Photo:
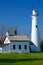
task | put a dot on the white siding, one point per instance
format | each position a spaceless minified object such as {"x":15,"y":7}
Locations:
{"x":0,"y":49}
{"x":17,"y":47}
{"x":34,"y":48}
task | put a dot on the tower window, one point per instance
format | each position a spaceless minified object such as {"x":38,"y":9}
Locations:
{"x":25,"y":46}
{"x":14,"y":47}
{"x":36,"y":26}
{"x":19,"y":46}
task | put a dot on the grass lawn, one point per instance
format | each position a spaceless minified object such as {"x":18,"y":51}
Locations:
{"x":21,"y":59}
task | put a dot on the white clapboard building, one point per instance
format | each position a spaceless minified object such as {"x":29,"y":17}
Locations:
{"x":21,"y":43}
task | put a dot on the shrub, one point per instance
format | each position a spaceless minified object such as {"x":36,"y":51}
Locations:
{"x":41,"y":43}
{"x":1,"y":42}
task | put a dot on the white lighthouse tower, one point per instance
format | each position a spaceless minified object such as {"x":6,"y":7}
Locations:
{"x":34,"y":32}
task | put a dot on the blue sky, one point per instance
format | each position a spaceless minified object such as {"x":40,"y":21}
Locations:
{"x":18,"y":13}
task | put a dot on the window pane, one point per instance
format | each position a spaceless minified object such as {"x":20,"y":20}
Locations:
{"x":14,"y":46}
{"x":36,"y":26}
{"x":19,"y":46}
{"x":25,"y":46}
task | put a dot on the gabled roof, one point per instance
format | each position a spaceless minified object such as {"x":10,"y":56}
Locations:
{"x":6,"y":41}
{"x":18,"y":38}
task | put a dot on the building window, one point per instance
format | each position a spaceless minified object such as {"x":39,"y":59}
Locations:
{"x":19,"y":46}
{"x":25,"y":46}
{"x":14,"y":46}
{"x":36,"y":26}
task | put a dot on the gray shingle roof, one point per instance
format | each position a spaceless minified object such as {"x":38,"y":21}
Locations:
{"x":18,"y":38}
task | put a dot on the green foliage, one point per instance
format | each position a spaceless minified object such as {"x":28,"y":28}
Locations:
{"x":1,"y":42}
{"x":41,"y":45}
{"x":15,"y":32}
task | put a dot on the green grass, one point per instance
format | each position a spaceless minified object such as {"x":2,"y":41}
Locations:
{"x":21,"y":59}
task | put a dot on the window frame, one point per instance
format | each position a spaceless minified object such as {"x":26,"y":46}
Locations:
{"x":20,"y":47}
{"x":25,"y":47}
{"x":14,"y":46}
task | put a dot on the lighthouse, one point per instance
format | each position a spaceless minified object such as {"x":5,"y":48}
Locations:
{"x":34,"y":32}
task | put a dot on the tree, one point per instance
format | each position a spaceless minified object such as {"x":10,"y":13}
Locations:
{"x":1,"y":42}
{"x":15,"y":32}
{"x":3,"y":31}
{"x":11,"y":30}
{"x":41,"y":44}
